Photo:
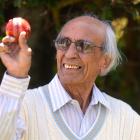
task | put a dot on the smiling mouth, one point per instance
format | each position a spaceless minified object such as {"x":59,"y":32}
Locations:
{"x":71,"y":66}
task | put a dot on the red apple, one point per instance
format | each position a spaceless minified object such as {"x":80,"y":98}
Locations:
{"x":16,"y":25}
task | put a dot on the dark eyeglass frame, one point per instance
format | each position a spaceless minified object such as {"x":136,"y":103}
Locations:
{"x":82,"y":46}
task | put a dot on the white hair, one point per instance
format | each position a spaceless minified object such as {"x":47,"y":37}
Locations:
{"x":109,"y":45}
{"x":111,"y":50}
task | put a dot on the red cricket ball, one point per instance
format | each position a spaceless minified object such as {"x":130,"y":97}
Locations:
{"x":16,"y":25}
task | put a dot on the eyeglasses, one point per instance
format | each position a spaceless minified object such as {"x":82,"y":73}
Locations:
{"x":83,"y":46}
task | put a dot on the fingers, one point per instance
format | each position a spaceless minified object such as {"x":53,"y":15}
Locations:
{"x":8,"y":39}
{"x":23,"y":44}
{"x":3,"y":48}
{"x":9,"y":44}
{"x":23,"y":40}
{"x":6,"y":42}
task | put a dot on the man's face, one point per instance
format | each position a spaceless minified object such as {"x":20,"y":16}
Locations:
{"x":76,"y":67}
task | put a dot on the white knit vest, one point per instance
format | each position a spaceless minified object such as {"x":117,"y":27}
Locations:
{"x":120,"y":123}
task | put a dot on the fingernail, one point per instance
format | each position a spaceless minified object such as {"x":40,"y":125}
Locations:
{"x":23,"y":33}
{"x":29,"y":49}
{"x":1,"y":44}
{"x":11,"y":38}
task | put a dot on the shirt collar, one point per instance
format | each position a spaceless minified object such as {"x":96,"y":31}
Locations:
{"x":98,"y":97}
{"x":59,"y":96}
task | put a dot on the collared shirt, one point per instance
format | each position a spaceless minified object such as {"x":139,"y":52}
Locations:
{"x":70,"y":109}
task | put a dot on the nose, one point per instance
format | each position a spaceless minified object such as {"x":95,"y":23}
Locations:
{"x":71,"y":52}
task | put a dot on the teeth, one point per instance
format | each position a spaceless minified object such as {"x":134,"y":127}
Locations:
{"x":67,"y":66}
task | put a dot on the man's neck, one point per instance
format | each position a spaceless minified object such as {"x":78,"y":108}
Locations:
{"x":82,"y":93}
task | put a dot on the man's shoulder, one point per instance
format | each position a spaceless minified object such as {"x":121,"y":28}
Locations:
{"x":35,"y":93}
{"x":118,"y":105}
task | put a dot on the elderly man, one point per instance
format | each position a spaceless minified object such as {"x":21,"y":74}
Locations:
{"x":70,"y":107}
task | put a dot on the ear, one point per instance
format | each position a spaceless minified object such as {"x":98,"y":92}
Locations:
{"x":104,"y":63}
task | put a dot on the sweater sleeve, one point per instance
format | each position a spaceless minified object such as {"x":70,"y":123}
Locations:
{"x":137,"y":132}
{"x":11,"y":94}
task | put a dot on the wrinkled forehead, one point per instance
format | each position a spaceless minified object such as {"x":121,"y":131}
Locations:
{"x":84,"y":26}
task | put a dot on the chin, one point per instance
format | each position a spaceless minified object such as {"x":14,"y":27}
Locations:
{"x":70,"y":79}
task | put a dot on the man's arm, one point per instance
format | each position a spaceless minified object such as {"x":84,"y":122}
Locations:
{"x":11,"y":94}
{"x":17,"y":61}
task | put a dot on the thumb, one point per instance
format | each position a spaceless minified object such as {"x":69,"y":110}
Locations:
{"x":23,"y":40}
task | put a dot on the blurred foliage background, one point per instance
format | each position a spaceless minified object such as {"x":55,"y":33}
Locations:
{"x":47,"y":17}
